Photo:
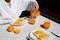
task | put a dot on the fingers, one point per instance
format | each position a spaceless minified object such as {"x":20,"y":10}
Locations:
{"x":35,"y":6}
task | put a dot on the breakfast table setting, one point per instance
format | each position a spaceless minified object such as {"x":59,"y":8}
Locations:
{"x":13,"y":31}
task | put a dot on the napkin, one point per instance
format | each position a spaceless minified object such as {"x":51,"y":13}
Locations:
{"x":5,"y":21}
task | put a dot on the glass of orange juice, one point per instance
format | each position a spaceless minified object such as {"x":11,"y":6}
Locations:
{"x":46,"y":24}
{"x":34,"y":14}
{"x":32,"y":21}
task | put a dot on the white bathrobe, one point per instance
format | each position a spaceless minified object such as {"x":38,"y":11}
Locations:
{"x":17,"y":6}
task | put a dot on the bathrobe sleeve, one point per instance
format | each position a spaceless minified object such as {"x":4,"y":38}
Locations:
{"x":4,"y":17}
{"x":3,"y":13}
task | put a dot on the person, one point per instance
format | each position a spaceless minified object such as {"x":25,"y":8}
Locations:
{"x":11,"y":9}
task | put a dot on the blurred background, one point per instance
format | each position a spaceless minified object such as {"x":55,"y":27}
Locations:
{"x":50,"y":9}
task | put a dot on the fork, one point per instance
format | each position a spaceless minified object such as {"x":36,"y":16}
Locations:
{"x":29,"y":38}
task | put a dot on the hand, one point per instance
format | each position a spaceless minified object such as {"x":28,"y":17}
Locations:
{"x":35,"y":6}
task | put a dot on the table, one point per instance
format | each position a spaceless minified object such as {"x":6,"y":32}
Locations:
{"x":25,"y":29}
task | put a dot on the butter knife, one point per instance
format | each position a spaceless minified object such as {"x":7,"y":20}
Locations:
{"x":55,"y":35}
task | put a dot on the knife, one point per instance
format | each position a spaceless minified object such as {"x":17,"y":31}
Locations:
{"x":55,"y":35}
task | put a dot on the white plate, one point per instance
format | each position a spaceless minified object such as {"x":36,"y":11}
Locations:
{"x":18,"y":25}
{"x":45,"y":31}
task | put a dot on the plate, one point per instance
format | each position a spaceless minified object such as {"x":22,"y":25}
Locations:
{"x":45,"y":31}
{"x":12,"y":23}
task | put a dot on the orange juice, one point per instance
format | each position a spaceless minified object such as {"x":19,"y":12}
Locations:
{"x":32,"y":21}
{"x":17,"y":31}
{"x":46,"y":25}
{"x":10,"y":28}
{"x":35,"y":13}
{"x":32,"y":13}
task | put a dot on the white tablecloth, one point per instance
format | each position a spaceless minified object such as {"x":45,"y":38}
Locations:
{"x":25,"y":29}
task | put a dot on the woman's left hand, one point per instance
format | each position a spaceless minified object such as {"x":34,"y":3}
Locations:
{"x":35,"y":6}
